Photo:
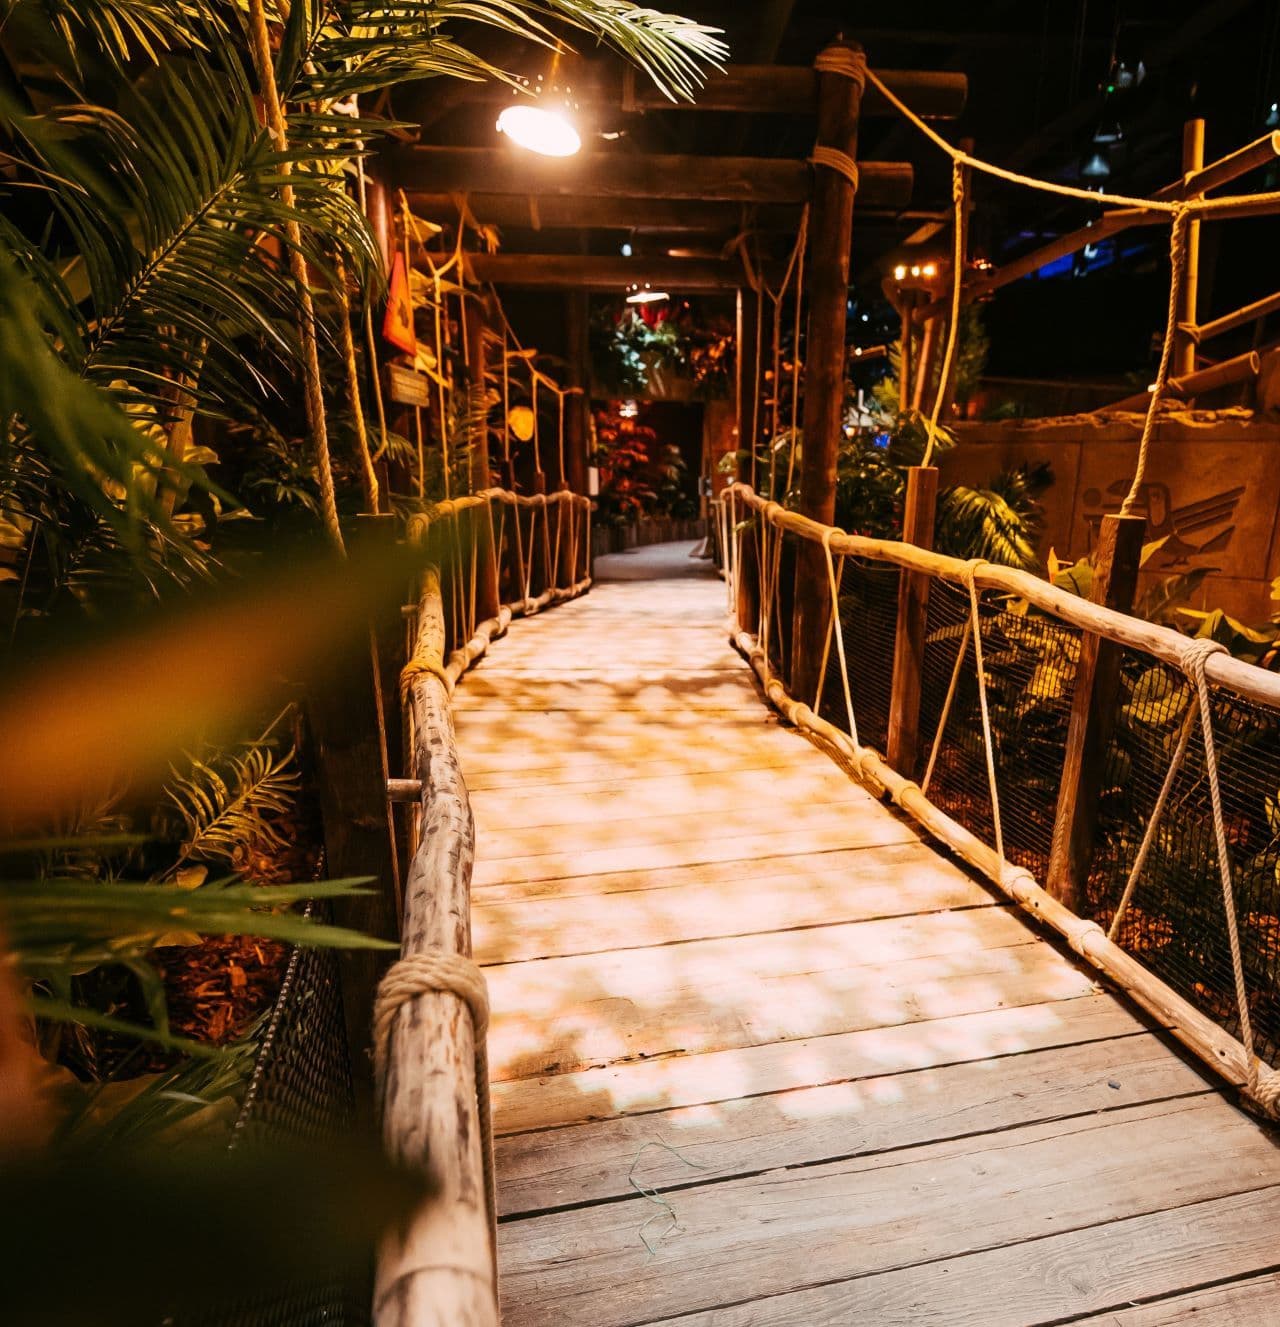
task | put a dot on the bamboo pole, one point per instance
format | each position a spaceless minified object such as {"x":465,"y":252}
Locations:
{"x":827,"y":281}
{"x":439,"y":1267}
{"x":1184,"y":345}
{"x":1237,"y":318}
{"x":1240,"y":368}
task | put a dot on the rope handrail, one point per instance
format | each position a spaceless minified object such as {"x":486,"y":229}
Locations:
{"x":1202,"y":662}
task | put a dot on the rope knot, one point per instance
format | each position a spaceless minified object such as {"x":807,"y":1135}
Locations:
{"x":422,"y":666}
{"x":834,"y":159}
{"x":845,"y":61}
{"x":969,"y":573}
{"x":1264,"y":1089}
{"x":1196,"y":655}
{"x":1079,"y":941}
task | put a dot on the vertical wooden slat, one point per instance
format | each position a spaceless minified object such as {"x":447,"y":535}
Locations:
{"x":1184,"y":346}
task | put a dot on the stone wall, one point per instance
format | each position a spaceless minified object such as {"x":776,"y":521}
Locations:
{"x":1213,"y":487}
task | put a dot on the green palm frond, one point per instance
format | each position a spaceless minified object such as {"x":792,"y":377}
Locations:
{"x":981,"y":523}
{"x":238,"y":806}
{"x":377,"y":43}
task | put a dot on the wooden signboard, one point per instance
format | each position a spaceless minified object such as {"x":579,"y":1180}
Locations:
{"x":408,"y":386}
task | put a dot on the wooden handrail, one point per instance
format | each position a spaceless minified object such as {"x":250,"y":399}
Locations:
{"x":440,"y":1267}
{"x":1164,"y":643}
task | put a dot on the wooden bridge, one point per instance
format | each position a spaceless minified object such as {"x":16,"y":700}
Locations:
{"x":760,"y":1054}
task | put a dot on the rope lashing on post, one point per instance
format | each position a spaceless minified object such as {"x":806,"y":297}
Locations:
{"x":454,"y":974}
{"x":832,"y":158}
{"x":843,"y":60}
{"x":423,"y":665}
{"x":957,"y":282}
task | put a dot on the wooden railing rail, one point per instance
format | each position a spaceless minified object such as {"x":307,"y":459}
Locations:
{"x":748,"y":527}
{"x":432,"y":1013}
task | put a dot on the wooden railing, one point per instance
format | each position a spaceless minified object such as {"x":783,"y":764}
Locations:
{"x":1005,"y":647}
{"x":492,"y":557}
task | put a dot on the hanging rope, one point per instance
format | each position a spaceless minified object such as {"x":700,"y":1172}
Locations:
{"x":988,"y":740}
{"x":277,"y":126}
{"x":957,"y":281}
{"x":835,"y":620}
{"x":1178,"y":266}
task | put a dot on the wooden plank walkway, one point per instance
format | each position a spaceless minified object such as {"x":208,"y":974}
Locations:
{"x":890,"y":1100}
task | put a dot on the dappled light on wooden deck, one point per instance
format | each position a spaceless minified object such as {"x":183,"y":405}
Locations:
{"x":763,"y":1055}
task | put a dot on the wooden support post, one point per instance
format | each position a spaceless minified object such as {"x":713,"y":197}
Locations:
{"x":1184,"y":346}
{"x":577,"y":418}
{"x":913,"y":608}
{"x":478,"y":383}
{"x":1093,"y":709}
{"x":748,"y":403}
{"x":827,"y":281}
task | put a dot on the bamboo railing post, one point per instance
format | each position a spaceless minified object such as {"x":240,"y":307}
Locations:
{"x":438,"y":1267}
{"x":827,"y":281}
{"x":747,"y":398}
{"x":1093,"y":709}
{"x":578,"y":405}
{"x":913,"y":607}
{"x":1184,"y":345}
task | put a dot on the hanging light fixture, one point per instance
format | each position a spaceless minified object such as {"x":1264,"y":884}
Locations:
{"x":541,"y":119}
{"x":1096,"y":166}
{"x":638,"y":293}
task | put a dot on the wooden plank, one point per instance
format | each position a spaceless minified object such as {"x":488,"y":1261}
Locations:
{"x":791,"y":1229}
{"x":658,"y":795}
{"x":528,"y":855}
{"x":570,"y":768}
{"x":673,"y":906}
{"x":594,"y":1162}
{"x":605,"y":1017}
{"x":1239,"y":1304}
{"x":1055,"y":1278}
{"x":652,"y":693}
{"x":1014,"y":1019}
{"x":561,"y":271}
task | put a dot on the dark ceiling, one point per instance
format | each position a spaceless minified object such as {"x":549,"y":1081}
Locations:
{"x":1046,"y":79}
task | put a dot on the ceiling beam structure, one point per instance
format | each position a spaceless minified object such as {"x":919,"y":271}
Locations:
{"x":746,"y":89}
{"x":568,"y":271}
{"x":602,"y":174}
{"x":639,"y":215}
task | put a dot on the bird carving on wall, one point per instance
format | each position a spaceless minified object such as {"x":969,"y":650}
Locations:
{"x":1170,"y":523}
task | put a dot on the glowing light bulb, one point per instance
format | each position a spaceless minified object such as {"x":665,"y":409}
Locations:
{"x":915,"y":269}
{"x":541,"y":129}
{"x":930,"y":269}
{"x":638,"y":294}
{"x":899,"y":273}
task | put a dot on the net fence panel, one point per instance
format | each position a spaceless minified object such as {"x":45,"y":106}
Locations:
{"x":868,"y":625}
{"x":1176,"y":921}
{"x":1030,"y":665}
{"x":301,"y":1091}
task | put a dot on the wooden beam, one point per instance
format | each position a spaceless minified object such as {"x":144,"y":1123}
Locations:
{"x":751,"y":89}
{"x":1201,"y":179}
{"x":606,"y":174}
{"x":1240,"y":368}
{"x":1230,"y":321}
{"x":827,"y":284}
{"x":1094,"y":703}
{"x":913,"y":609}
{"x":571,"y":271}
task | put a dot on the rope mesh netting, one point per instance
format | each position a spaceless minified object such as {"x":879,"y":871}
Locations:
{"x":1030,"y":666}
{"x":868,"y":623}
{"x":1175,"y":923}
{"x":301,"y":1092}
